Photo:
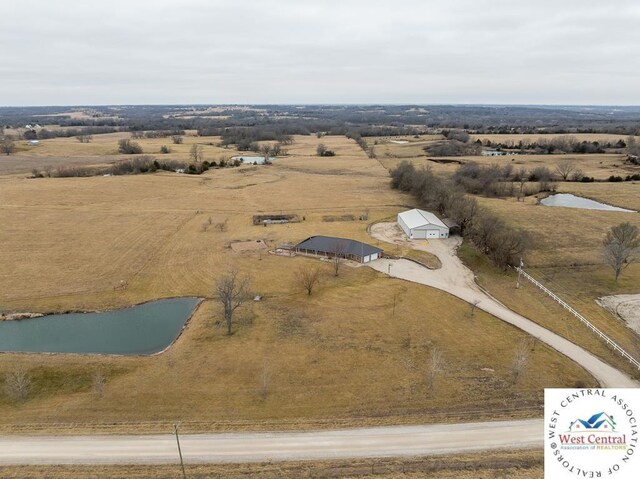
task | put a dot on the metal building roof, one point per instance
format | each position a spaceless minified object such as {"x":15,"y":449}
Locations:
{"x":418,"y":218}
{"x":331,"y":244}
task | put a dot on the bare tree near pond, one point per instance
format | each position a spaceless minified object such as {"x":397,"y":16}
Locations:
{"x":232,"y":291}
{"x":17,"y":384}
{"x":621,"y":247}
{"x":308,"y":277}
{"x":196,"y":153}
{"x":565,"y":168}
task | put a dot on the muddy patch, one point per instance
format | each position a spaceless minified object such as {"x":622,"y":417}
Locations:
{"x":625,"y":306}
{"x":243,"y":246}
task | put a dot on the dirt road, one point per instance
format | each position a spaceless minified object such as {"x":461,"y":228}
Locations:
{"x":458,"y":280}
{"x":253,"y":447}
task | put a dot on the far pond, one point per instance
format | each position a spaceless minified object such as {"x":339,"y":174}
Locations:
{"x":571,"y":201}
{"x":250,"y":160}
{"x":144,"y":329}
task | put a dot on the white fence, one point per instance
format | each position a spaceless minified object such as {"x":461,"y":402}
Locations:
{"x":584,"y":320}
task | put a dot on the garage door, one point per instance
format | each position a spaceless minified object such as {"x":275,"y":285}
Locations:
{"x":419,"y":234}
{"x":374,"y":256}
{"x":433,"y":234}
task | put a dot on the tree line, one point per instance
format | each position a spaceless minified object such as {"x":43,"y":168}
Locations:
{"x":135,"y":166}
{"x":555,"y":145}
{"x":503,"y":244}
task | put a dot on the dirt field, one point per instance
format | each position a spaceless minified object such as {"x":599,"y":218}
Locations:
{"x":626,"y":307}
{"x":69,"y":242}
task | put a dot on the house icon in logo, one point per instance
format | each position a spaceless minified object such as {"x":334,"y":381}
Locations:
{"x":600,"y":422}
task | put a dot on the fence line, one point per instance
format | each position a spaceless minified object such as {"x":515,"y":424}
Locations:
{"x":584,"y":320}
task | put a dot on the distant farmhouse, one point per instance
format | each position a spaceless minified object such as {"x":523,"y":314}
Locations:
{"x":420,"y":224}
{"x":329,"y":247}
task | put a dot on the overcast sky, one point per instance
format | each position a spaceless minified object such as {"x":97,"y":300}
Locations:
{"x":70,"y":52}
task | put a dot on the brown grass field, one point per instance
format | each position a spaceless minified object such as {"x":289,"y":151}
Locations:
{"x":102,"y":150}
{"x":598,"y":166}
{"x":342,"y":356}
{"x":516,"y":137}
{"x":522,"y":464}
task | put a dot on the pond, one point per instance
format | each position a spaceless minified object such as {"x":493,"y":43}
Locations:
{"x":250,"y":160}
{"x":571,"y":201}
{"x":144,"y":329}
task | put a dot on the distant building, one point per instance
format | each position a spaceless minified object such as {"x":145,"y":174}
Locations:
{"x":420,"y":224}
{"x":329,"y":247}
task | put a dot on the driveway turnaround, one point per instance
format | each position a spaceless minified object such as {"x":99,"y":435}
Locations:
{"x":455,"y":278}
{"x":397,"y":441}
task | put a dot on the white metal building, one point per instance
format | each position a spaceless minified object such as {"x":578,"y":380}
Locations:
{"x":420,"y":224}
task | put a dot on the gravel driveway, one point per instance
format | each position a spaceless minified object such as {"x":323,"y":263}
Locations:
{"x":455,"y":278}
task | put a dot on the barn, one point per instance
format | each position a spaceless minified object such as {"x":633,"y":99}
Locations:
{"x":420,"y":224}
{"x":330,"y":246}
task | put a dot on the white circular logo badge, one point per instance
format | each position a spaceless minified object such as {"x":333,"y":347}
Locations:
{"x":591,"y":433}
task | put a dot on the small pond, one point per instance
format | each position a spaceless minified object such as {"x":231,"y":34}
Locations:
{"x":571,"y":201}
{"x":250,"y":160}
{"x":144,"y":329}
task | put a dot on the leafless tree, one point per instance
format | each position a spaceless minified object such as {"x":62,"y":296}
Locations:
{"x":232,"y":290}
{"x":177,"y":139}
{"x":205,"y":227}
{"x":7,"y":146}
{"x":264,"y":381}
{"x":522,"y":179}
{"x":308,"y":277}
{"x":577,"y":175}
{"x":565,"y":168}
{"x":17,"y":384}
{"x":633,"y":148}
{"x":222,"y":226}
{"x":85,"y":138}
{"x":196,"y":153}
{"x":464,"y":209}
{"x":266,"y":150}
{"x":520,"y":360}
{"x":621,"y":247}
{"x":99,"y":381}
{"x":276,"y":149}
{"x":321,"y":150}
{"x":338,"y":251}
{"x":436,"y":366}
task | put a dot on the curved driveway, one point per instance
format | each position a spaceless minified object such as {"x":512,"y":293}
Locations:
{"x":455,"y":278}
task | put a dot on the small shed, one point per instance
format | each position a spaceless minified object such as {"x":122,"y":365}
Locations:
{"x":330,"y":247}
{"x":420,"y":224}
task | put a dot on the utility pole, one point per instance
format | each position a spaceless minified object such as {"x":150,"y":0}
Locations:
{"x":519,"y":273}
{"x":175,"y":428}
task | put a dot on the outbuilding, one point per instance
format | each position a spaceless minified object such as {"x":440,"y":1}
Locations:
{"x":330,"y":246}
{"x":420,"y":224}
